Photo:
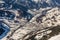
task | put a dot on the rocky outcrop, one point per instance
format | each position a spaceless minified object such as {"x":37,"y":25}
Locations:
{"x":43,"y":24}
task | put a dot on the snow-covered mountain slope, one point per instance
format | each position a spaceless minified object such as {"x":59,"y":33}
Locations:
{"x":32,"y":4}
{"x":28,"y":16}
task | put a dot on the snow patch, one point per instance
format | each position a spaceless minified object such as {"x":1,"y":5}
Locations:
{"x":55,"y":37}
